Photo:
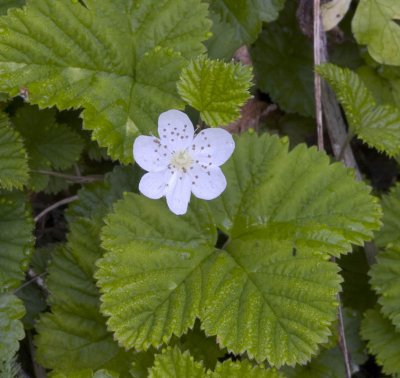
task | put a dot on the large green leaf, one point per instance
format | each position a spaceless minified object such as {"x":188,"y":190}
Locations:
{"x":283,"y":64}
{"x":74,"y":335}
{"x":374,"y":24}
{"x":11,"y":328}
{"x":216,"y":89}
{"x":69,"y":55}
{"x":377,"y":125}
{"x":240,"y":369}
{"x":390,"y":232}
{"x":49,"y":144}
{"x":16,"y":239}
{"x":271,"y":291}
{"x":172,"y":363}
{"x":385,"y":280}
{"x":13,"y":160}
{"x":383,"y":340}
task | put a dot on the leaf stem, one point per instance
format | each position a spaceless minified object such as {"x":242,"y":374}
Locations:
{"x":76,"y":179}
{"x":342,"y":340}
{"x":55,"y":205}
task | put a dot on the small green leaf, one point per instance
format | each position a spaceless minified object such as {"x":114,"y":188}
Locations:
{"x":385,"y":280}
{"x":216,"y":89}
{"x":241,"y":369}
{"x":112,"y":72}
{"x":383,"y":340}
{"x":172,"y":363}
{"x":16,"y":239}
{"x":390,"y":232}
{"x":13,"y":160}
{"x":87,"y":373}
{"x":11,"y":328}
{"x":374,"y":24}
{"x":283,"y":64}
{"x":376,"y":125}
{"x":49,"y":145}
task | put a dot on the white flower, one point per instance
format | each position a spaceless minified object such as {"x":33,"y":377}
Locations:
{"x":180,"y":163}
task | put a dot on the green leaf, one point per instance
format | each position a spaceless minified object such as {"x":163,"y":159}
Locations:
{"x":49,"y":145}
{"x":240,"y":369}
{"x":297,"y":196}
{"x":159,"y":263}
{"x":383,"y":340}
{"x":172,"y":363}
{"x":87,"y":373}
{"x":74,"y":335}
{"x":16,"y":239}
{"x":271,"y":292}
{"x":6,"y":4}
{"x":390,"y":232}
{"x":385,"y":280}
{"x":376,"y":125}
{"x":374,"y":24}
{"x":246,"y":16}
{"x":13,"y":160}
{"x":11,"y":328}
{"x":113,"y":73}
{"x":283,"y":64}
{"x":34,"y":303}
{"x":216,"y":89}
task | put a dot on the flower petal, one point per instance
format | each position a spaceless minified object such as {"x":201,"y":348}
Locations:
{"x":175,"y":130}
{"x":209,"y":183}
{"x":178,"y":193}
{"x":213,"y":146}
{"x":150,"y":153}
{"x":154,"y":184}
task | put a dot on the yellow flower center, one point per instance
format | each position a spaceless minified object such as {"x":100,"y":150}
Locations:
{"x":182,"y":160}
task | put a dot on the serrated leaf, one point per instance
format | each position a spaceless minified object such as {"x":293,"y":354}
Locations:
{"x":271,"y":292}
{"x":159,"y":263}
{"x":374,"y":24}
{"x":13,"y":160}
{"x":11,"y":328}
{"x":239,"y":369}
{"x":385,"y":280}
{"x":376,"y":125}
{"x":383,"y":340}
{"x":390,"y":232}
{"x":114,"y":73}
{"x":75,"y":318}
{"x":49,"y":144}
{"x":283,"y":64}
{"x":16,"y":239}
{"x":216,"y":89}
{"x":7,"y":4}
{"x":172,"y":363}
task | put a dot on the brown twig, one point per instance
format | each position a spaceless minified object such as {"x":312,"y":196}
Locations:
{"x":317,"y":78}
{"x":54,"y":206}
{"x":321,"y":55}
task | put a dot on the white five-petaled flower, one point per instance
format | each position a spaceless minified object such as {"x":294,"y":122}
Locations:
{"x":180,"y":163}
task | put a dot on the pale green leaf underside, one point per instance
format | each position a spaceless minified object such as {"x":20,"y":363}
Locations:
{"x":72,"y":56}
{"x":11,"y":328}
{"x":13,"y":159}
{"x":374,"y":24}
{"x":376,"y":125}
{"x":216,"y":89}
{"x":172,"y":363}
{"x":390,"y":232}
{"x":383,"y":341}
{"x":297,"y":196}
{"x":50,"y":146}
{"x":16,"y":239}
{"x":74,"y":335}
{"x":385,"y":280}
{"x":283,"y":64}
